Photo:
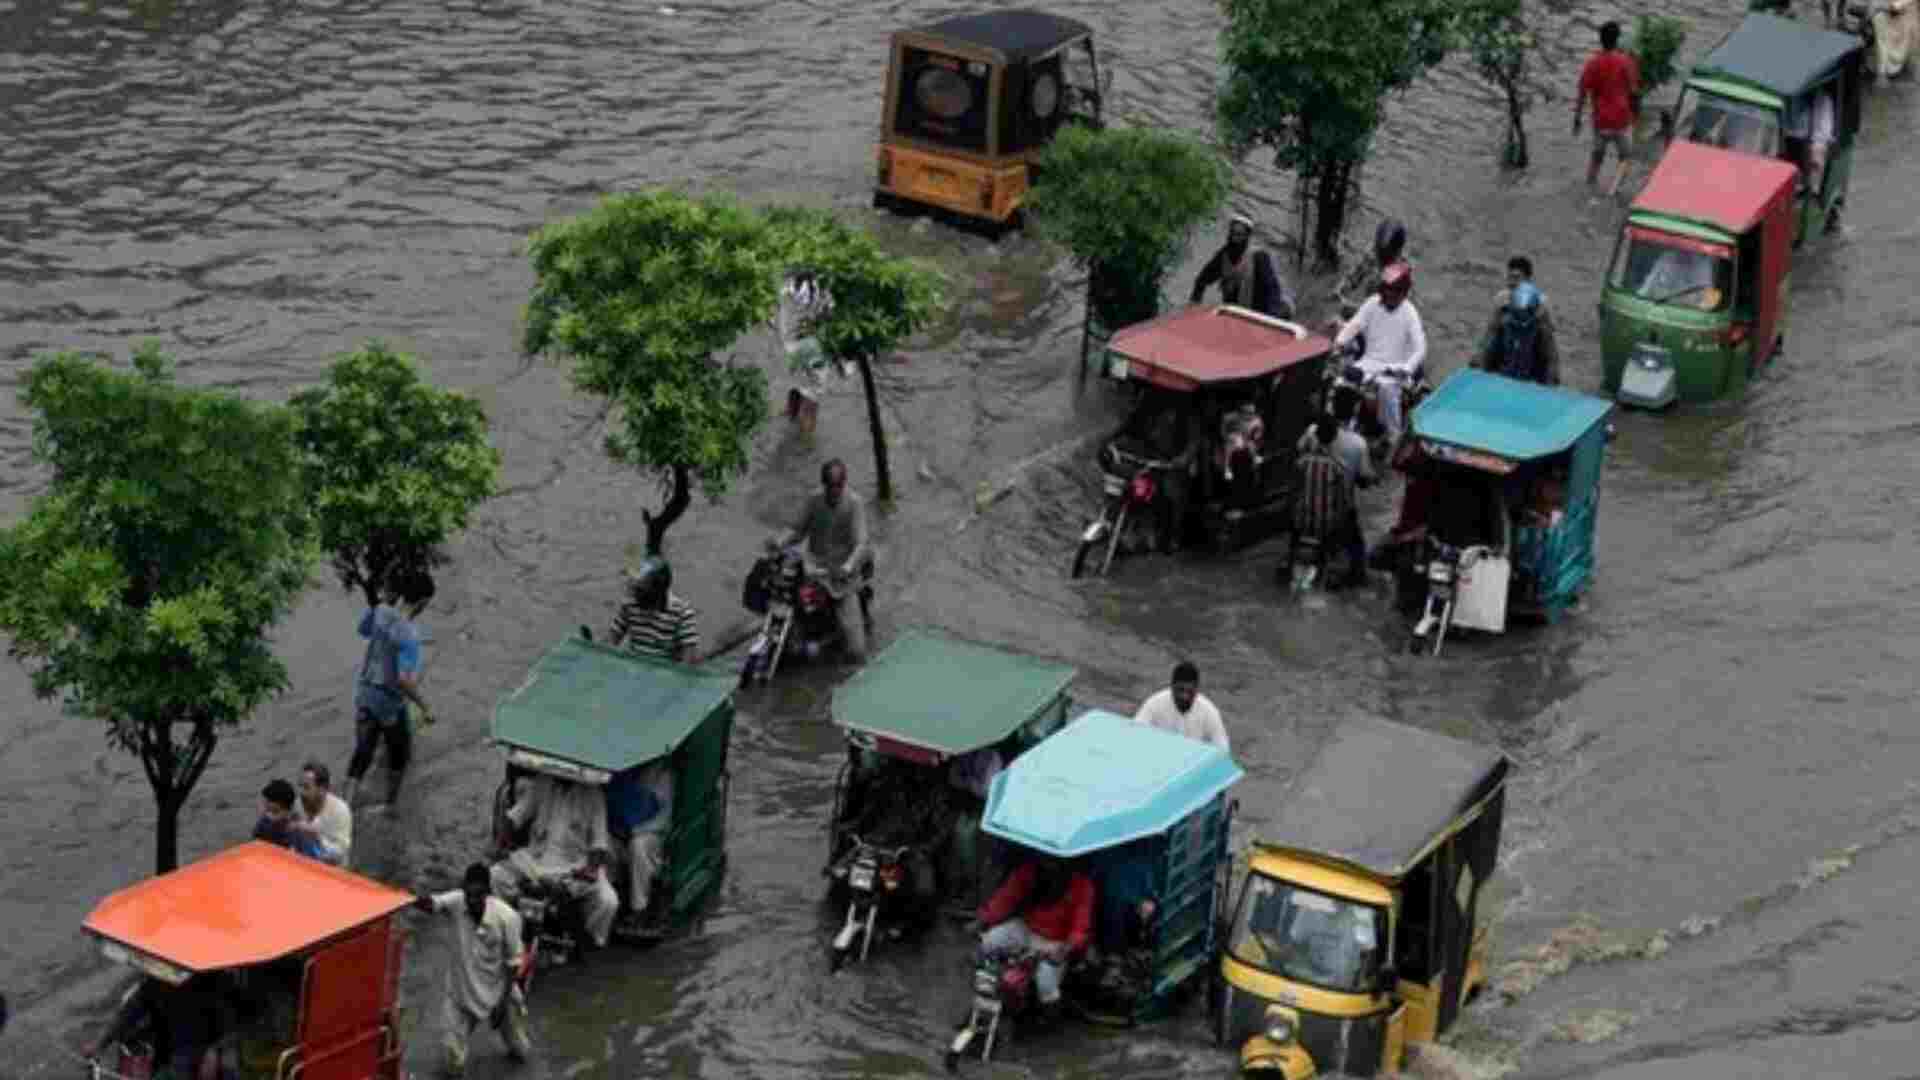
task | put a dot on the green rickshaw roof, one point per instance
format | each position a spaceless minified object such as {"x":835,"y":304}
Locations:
{"x":1783,"y":55}
{"x":1520,"y":421}
{"x":945,"y":694}
{"x":607,"y":708}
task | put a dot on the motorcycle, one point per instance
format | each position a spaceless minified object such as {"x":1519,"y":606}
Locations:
{"x":1003,"y":989}
{"x":874,"y":875}
{"x":792,"y":595}
{"x":1131,"y":489}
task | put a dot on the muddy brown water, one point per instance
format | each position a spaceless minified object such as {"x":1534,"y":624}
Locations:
{"x":1712,"y":831}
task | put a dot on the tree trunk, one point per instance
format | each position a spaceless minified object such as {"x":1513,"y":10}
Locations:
{"x":680,"y":494}
{"x":1516,"y":128}
{"x":1331,"y":197}
{"x":878,"y":431}
{"x":172,"y":770}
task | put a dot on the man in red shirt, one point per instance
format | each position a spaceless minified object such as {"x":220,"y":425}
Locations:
{"x":1046,"y":906}
{"x":1611,"y":79}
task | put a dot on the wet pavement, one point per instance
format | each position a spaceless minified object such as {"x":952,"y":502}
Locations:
{"x":1713,"y":819}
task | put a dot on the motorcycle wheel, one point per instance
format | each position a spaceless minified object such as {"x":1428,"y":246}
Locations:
{"x":953,"y":1062}
{"x":1415,"y":643}
{"x":1080,"y":558}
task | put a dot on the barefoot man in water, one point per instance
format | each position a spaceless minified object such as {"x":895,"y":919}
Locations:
{"x":1611,"y":78}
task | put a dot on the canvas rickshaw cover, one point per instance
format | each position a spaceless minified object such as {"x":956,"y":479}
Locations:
{"x":1511,"y":418}
{"x":947,"y":695}
{"x":246,"y":905}
{"x":1018,"y":34}
{"x":1380,"y":793}
{"x":1210,"y":343}
{"x":608,"y":708}
{"x":1785,"y":56}
{"x":1725,"y":189}
{"x":1101,"y":782}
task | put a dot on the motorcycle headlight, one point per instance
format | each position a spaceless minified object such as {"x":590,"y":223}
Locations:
{"x":1279,"y":1030}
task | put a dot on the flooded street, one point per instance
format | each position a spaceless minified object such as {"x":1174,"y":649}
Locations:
{"x":1713,"y":827}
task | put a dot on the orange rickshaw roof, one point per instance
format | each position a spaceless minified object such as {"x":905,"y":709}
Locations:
{"x":246,"y":905}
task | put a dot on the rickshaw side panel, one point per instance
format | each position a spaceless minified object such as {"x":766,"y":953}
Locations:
{"x":345,"y":987}
{"x":696,"y":847}
{"x":1560,"y":558}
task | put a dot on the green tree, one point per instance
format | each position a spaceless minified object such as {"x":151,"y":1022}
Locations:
{"x":141,"y":585}
{"x":642,"y":293}
{"x":878,"y":301}
{"x":393,"y":466}
{"x":1125,"y":201}
{"x":1309,"y":79}
{"x":1503,"y":45}
{"x":1656,"y":44}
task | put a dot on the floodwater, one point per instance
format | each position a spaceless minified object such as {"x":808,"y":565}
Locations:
{"x":1714,"y":821}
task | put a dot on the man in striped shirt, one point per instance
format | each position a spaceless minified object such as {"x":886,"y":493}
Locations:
{"x":655,"y":622}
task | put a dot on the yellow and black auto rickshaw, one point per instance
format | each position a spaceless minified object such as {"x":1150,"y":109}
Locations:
{"x":970,"y":103}
{"x":1362,"y":924}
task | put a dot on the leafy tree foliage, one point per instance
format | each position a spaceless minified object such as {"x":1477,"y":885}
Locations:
{"x":1125,"y":201}
{"x":1656,"y":44}
{"x":393,"y":466}
{"x":1309,"y":79}
{"x":141,"y":585}
{"x":642,"y":293}
{"x":878,"y":300}
{"x":1503,"y":46}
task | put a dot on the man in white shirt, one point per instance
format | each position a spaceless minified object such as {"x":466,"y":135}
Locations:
{"x":1182,"y":709}
{"x":323,"y":815}
{"x":483,"y":974}
{"x":1396,"y":340}
{"x":569,"y":848}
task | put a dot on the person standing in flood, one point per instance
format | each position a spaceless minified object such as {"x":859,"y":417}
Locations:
{"x":389,"y":680}
{"x":1610,"y":79}
{"x":1245,"y":274}
{"x":483,"y":972}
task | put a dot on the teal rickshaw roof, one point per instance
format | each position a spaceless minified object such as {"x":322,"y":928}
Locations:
{"x":608,"y":708}
{"x":1785,"y":56}
{"x":1102,"y":782}
{"x":945,"y":694}
{"x":1521,"y":421}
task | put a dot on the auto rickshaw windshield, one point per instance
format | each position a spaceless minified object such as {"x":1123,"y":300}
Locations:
{"x":1671,"y":270}
{"x":1310,"y":936}
{"x":1735,"y":125}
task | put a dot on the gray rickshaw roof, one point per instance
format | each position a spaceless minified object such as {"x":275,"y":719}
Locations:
{"x":1017,"y":35}
{"x":608,"y":708}
{"x":1380,"y":792}
{"x":1781,"y":55}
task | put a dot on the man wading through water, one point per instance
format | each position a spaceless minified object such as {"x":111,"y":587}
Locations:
{"x":389,"y":679}
{"x":1245,"y":274}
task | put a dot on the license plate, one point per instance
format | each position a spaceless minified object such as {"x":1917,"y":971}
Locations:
{"x":861,"y":878}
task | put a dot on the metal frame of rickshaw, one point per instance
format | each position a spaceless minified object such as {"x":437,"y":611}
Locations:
{"x":529,"y":728}
{"x":1704,"y":197}
{"x":229,"y":912}
{"x":1056,"y":801}
{"x":1728,"y":76}
{"x":1561,"y":552}
{"x":1285,"y":386}
{"x":1384,"y":806}
{"x":990,"y":183}
{"x":1028,"y":707}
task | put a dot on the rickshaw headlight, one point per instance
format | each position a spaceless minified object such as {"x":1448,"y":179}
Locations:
{"x":1279,"y":1029}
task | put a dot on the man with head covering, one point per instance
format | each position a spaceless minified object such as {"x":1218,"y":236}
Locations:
{"x":1245,"y":274}
{"x":485,"y":969}
{"x":655,"y":621}
{"x":1520,"y":341}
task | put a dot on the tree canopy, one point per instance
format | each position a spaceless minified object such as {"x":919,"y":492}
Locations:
{"x":1125,"y":202}
{"x":142,"y":583}
{"x":643,"y":293}
{"x":393,"y":466}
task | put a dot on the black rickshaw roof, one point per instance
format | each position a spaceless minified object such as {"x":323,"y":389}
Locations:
{"x":608,"y":708}
{"x":1782,"y":55}
{"x":1380,"y":793}
{"x":1017,"y":35}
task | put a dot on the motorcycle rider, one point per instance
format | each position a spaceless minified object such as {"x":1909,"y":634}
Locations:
{"x":1047,"y":906}
{"x":1329,"y":437}
{"x":1245,"y":274}
{"x":569,"y":850}
{"x":1520,"y":342}
{"x":834,"y":525}
{"x":1396,"y":342}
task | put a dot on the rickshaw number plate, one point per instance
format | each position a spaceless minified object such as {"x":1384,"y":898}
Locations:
{"x":1118,"y":366}
{"x":861,"y":878}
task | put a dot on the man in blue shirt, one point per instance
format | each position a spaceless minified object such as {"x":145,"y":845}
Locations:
{"x":389,"y":680}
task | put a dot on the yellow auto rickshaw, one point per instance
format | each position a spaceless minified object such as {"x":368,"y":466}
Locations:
{"x":972,"y":100}
{"x":1361,"y":926}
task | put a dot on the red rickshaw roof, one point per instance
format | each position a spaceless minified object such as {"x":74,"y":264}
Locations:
{"x":246,"y":905}
{"x":1209,"y":343}
{"x":1722,"y":188}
